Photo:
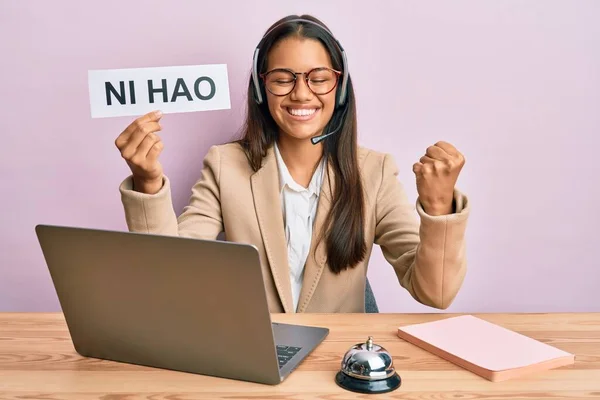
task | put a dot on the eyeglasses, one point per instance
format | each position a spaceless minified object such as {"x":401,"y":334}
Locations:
{"x":282,"y":81}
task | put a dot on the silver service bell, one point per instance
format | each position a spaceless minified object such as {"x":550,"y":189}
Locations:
{"x":368,"y":368}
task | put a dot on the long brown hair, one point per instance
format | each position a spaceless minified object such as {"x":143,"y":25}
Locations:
{"x":344,"y":225}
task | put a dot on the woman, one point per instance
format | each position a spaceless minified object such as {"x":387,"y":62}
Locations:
{"x":299,"y":188}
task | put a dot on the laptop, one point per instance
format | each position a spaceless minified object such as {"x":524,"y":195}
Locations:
{"x":182,"y":304}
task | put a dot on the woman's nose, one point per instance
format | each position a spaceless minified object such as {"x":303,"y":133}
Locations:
{"x":301,"y":91}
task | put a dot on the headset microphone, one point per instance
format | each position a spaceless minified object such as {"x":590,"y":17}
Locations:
{"x":318,"y":139}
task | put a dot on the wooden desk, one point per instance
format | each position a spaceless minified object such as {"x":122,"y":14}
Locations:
{"x":37,"y":360}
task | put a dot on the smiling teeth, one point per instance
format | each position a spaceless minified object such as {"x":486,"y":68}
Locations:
{"x":301,"y":112}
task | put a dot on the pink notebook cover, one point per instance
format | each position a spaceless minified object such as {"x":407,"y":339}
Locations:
{"x":483,"y":344}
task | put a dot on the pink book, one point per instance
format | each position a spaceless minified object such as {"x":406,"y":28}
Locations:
{"x":489,"y":350}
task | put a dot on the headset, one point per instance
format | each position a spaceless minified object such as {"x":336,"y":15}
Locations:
{"x":341,"y":94}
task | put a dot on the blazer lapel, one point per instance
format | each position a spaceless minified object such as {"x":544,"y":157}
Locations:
{"x":317,"y":256}
{"x":267,"y":202}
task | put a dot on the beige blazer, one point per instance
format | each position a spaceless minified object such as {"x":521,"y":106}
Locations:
{"x":428,"y":258}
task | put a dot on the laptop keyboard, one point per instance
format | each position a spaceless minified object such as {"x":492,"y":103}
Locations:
{"x":285,"y":353}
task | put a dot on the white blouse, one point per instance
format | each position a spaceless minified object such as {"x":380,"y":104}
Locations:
{"x":299,"y":207}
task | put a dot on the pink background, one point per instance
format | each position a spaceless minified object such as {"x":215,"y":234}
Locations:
{"x":514,"y":85}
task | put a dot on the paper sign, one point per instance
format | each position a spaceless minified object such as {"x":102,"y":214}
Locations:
{"x":137,"y":91}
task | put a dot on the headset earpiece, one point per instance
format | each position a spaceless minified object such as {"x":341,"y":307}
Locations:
{"x":260,"y":96}
{"x":343,"y":92}
{"x":256,"y":83}
{"x":340,"y":97}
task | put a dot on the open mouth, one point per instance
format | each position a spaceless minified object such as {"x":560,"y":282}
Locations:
{"x":302,"y":114}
